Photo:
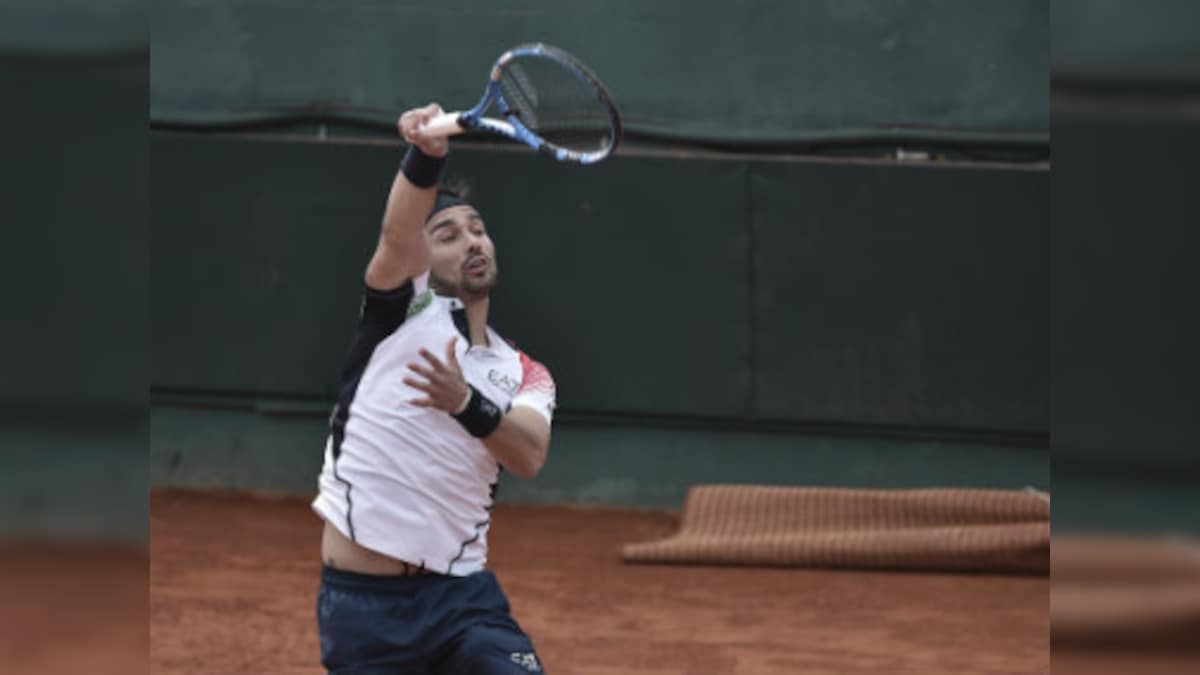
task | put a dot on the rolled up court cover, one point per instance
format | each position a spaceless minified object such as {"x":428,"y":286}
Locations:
{"x":934,"y":529}
{"x":1127,"y":591}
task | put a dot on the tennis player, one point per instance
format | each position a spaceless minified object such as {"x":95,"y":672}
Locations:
{"x":432,"y":404}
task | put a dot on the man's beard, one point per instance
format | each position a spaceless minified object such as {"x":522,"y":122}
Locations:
{"x":469,"y":288}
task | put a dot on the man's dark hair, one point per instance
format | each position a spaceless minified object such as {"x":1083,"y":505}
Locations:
{"x":458,"y":187}
{"x":450,"y":194}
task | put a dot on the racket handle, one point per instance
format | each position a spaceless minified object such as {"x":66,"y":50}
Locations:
{"x":443,"y":125}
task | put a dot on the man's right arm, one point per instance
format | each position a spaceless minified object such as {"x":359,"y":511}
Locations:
{"x":401,"y":253}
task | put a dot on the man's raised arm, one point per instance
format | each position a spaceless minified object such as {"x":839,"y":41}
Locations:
{"x":401,"y":253}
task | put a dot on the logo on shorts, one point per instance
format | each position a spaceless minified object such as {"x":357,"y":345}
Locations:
{"x":528,"y":661}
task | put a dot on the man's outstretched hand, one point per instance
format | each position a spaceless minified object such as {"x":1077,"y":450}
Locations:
{"x":443,"y":385}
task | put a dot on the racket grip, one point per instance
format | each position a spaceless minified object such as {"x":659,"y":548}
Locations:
{"x":443,"y":125}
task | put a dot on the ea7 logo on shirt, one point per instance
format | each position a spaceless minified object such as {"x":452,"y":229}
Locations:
{"x":528,"y":661}
{"x":503,"y":381}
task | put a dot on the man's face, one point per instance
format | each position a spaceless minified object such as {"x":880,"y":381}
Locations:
{"x":462,"y":258}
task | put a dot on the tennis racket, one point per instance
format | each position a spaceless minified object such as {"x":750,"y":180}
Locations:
{"x":548,"y":100}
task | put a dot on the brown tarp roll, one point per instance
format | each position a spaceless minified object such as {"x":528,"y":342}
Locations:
{"x":937,"y":529}
{"x":1126,"y":591}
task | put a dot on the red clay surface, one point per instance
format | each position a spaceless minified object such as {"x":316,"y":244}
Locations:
{"x":233,"y":583}
{"x":72,"y":608}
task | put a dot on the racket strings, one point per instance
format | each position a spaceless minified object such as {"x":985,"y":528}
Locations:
{"x":558,"y":104}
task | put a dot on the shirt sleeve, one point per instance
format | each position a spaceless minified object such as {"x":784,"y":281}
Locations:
{"x":537,"y":389}
{"x":386,"y":310}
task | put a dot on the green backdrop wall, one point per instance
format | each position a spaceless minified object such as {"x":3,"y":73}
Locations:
{"x":73,"y":268}
{"x":768,"y":302}
{"x":758,"y":71}
{"x":707,"y":317}
{"x":804,"y":292}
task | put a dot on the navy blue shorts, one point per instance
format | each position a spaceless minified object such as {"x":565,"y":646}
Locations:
{"x":419,"y":625}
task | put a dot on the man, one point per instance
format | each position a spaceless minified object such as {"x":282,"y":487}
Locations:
{"x":432,"y":403}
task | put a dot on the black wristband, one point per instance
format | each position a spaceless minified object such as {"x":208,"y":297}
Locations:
{"x":481,"y":417}
{"x":421,"y":169}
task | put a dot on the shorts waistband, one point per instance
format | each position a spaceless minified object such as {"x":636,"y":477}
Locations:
{"x":378,"y":582}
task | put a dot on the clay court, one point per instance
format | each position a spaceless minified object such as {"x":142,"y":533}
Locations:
{"x":78,"y":607}
{"x":233,"y":582}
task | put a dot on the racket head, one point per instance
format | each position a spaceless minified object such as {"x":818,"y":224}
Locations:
{"x":551,"y":102}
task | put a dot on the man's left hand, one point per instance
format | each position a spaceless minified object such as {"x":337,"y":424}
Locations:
{"x":444,"y":385}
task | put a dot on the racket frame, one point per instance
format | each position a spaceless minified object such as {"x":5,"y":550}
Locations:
{"x":511,"y":127}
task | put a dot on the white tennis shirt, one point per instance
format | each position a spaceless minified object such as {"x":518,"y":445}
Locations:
{"x":406,"y":481}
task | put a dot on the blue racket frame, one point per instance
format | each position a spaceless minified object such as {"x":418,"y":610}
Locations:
{"x":512,"y":127}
